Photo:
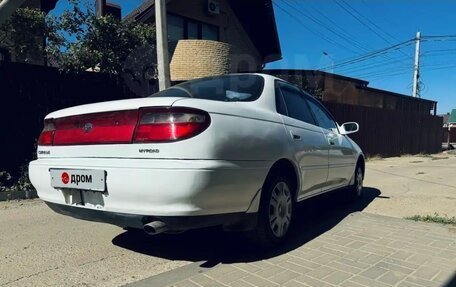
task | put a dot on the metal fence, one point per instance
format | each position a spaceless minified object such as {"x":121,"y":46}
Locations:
{"x":389,"y":132}
{"x":29,"y":92}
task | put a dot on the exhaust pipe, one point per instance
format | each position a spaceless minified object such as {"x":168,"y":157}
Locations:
{"x":155,"y":227}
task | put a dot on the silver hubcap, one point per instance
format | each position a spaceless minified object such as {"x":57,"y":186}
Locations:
{"x":359,"y":181}
{"x":280,"y":208}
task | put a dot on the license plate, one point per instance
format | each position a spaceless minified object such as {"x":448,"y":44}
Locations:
{"x":83,"y":179}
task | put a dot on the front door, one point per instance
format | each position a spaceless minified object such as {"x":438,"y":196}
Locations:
{"x":342,"y":158}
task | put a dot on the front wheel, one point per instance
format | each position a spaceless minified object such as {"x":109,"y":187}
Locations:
{"x":356,"y":189}
{"x":276,"y":212}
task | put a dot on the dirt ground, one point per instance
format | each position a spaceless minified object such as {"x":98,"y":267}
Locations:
{"x":41,"y":248}
{"x":413,"y":185}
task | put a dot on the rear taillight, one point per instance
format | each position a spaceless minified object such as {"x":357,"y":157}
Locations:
{"x":47,"y":135}
{"x":169,"y":124}
{"x":148,"y":125}
{"x":100,"y":128}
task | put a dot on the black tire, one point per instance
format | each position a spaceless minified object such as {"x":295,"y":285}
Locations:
{"x":356,"y":190}
{"x":277,"y":201}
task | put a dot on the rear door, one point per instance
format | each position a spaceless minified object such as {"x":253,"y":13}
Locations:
{"x":307,"y":141}
{"x":342,"y":157}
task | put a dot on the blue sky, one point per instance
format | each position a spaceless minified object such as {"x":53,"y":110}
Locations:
{"x":345,"y":29}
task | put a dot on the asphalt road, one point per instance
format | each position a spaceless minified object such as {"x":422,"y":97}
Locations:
{"x":41,"y":248}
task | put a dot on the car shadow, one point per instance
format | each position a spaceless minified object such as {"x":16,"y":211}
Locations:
{"x":314,"y":217}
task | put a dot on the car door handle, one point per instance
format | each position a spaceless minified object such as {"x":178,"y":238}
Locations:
{"x":295,"y":136}
{"x":331,"y":139}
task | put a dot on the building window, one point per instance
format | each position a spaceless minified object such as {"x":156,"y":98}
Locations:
{"x":192,"y":30}
{"x":176,"y":30}
{"x":210,"y":32}
{"x":180,"y":28}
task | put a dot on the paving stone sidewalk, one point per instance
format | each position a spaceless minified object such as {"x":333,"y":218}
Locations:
{"x":362,"y":250}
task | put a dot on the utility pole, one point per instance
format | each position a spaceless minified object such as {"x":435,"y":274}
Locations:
{"x":416,"y":68}
{"x":162,"y":44}
{"x":100,"y":8}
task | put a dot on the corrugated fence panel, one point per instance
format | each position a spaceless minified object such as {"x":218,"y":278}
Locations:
{"x":28,"y":93}
{"x":389,"y":132}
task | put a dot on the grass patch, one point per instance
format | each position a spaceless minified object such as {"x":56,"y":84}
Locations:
{"x":374,"y":157}
{"x":436,"y":218}
{"x":425,"y":155}
{"x":432,"y":157}
{"x":439,"y":158}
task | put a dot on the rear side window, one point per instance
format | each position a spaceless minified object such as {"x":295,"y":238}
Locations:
{"x":296,"y":105}
{"x":232,"y":88}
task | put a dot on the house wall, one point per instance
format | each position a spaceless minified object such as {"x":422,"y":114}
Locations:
{"x":245,"y":55}
{"x":340,"y":91}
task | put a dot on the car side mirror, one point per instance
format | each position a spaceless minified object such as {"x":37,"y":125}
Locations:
{"x":349,"y":128}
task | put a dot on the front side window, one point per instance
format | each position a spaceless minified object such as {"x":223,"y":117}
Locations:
{"x":323,"y":119}
{"x":232,"y":88}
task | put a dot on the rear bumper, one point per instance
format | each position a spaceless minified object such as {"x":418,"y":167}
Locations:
{"x":140,"y":189}
{"x":238,"y":221}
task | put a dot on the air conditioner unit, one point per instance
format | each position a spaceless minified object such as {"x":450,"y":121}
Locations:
{"x":213,"y":7}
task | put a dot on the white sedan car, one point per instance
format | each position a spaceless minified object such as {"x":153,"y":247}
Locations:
{"x":237,"y":151}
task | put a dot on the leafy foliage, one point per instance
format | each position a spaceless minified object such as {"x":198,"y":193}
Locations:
{"x":84,"y":41}
{"x":76,"y":40}
{"x":22,"y":34}
{"x":8,"y":184}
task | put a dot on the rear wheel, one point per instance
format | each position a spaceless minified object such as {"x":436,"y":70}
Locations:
{"x":276,"y":212}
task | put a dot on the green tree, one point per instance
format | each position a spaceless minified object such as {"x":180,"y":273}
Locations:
{"x":83,"y":41}
{"x":23,"y":35}
{"x":75,"y":40}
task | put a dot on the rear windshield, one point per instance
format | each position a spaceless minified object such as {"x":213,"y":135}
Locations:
{"x":233,"y":88}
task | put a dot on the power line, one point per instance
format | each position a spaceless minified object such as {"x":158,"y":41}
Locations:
{"x":385,"y":74}
{"x":439,"y":36}
{"x":358,"y":18}
{"x":371,"y":22}
{"x":370,"y":66}
{"x":382,"y":72}
{"x":336,"y":25}
{"x":309,"y":16}
{"x":311,"y":31}
{"x":439,"y":52}
{"x":370,"y":55}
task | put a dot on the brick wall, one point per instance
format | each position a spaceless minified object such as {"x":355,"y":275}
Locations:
{"x":200,"y":58}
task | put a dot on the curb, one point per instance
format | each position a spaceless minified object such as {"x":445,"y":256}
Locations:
{"x":19,"y":194}
{"x":171,"y":277}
